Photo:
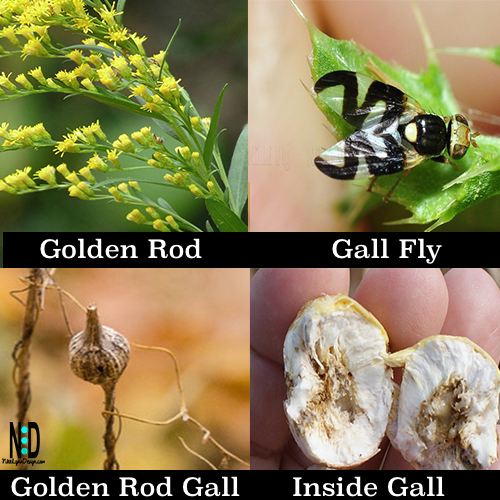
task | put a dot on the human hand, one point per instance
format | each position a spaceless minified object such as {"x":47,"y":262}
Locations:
{"x":411,"y":304}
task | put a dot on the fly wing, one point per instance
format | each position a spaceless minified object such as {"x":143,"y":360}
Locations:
{"x":362,"y":101}
{"x":365,"y":154}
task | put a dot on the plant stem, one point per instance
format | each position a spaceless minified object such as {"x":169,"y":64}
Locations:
{"x":109,"y":436}
{"x":37,"y":281}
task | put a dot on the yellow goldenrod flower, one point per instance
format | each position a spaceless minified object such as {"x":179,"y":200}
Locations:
{"x":185,"y":175}
{"x":170,"y":89}
{"x":96,"y":129}
{"x":138,"y":61}
{"x":196,"y":191}
{"x":88,"y":84}
{"x":97,"y":163}
{"x":9,"y":32}
{"x":179,"y":179}
{"x":113,"y":158}
{"x":117,"y":36}
{"x":86,"y":135}
{"x":68,"y":145}
{"x":142,"y":91}
{"x":195,"y":122}
{"x":63,"y":169}
{"x":76,"y":56}
{"x":184,"y":152}
{"x":87,"y":174}
{"x":107,"y":77}
{"x":73,"y":178}
{"x":124,"y":144}
{"x":85,"y":25}
{"x":211,"y":188}
{"x":151,"y":211}
{"x":123,"y":187}
{"x":170,"y":179}
{"x":5,"y":82}
{"x":82,"y":186}
{"x":135,"y":185}
{"x":34,"y":48}
{"x":78,"y":193}
{"x":172,"y":222}
{"x":51,"y":83}
{"x":20,"y":179}
{"x":37,"y":74}
{"x":137,"y":217}
{"x":122,"y":66}
{"x":95,"y":60}
{"x":138,"y":42}
{"x":158,"y":58}
{"x":4,"y":133}
{"x":206,"y":122}
{"x":85,"y":70}
{"x":154,"y":163}
{"x":114,"y":191}
{"x":151,"y":106}
{"x":22,"y":80}
{"x":68,"y":78}
{"x":79,"y":6}
{"x":159,"y":225}
{"x":108,"y":15}
{"x":47,"y":174}
{"x":196,"y":159}
{"x":8,"y":189}
{"x":163,"y":159}
{"x":23,"y":136}
{"x":139,"y":138}
{"x":39,"y":133}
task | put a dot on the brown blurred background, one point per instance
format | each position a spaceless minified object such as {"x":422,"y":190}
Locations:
{"x":202,"y":315}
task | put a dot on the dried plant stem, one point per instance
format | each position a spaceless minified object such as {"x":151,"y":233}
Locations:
{"x":109,"y":436}
{"x":183,"y":415}
{"x":196,"y":454}
{"x":37,"y":281}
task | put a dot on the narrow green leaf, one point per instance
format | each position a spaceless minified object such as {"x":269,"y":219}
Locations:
{"x":120,"y":7}
{"x":238,"y":171}
{"x":226,"y":220}
{"x":163,"y":204}
{"x":212,"y":133}
{"x":105,"y":51}
{"x":119,"y":101}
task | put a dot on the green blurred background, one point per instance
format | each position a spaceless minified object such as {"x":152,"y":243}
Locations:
{"x":202,"y":315}
{"x":209,"y":51}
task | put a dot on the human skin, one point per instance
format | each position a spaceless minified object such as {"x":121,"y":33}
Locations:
{"x":411,"y":304}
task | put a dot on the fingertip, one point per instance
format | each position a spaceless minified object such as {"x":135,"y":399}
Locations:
{"x":410,"y":303}
{"x":474,"y":308}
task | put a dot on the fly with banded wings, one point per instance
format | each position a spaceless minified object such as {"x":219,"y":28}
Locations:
{"x":392,"y":132}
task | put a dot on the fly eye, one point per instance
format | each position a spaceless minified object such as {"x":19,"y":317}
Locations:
{"x":458,"y":151}
{"x":461,"y":119}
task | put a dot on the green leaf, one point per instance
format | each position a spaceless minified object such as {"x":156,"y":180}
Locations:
{"x":226,"y":220}
{"x":119,"y":101}
{"x":212,"y":133}
{"x":166,"y":206}
{"x":120,"y":7}
{"x":433,"y":192}
{"x":238,"y":171}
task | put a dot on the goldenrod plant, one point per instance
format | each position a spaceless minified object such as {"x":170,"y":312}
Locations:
{"x":111,"y":66}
